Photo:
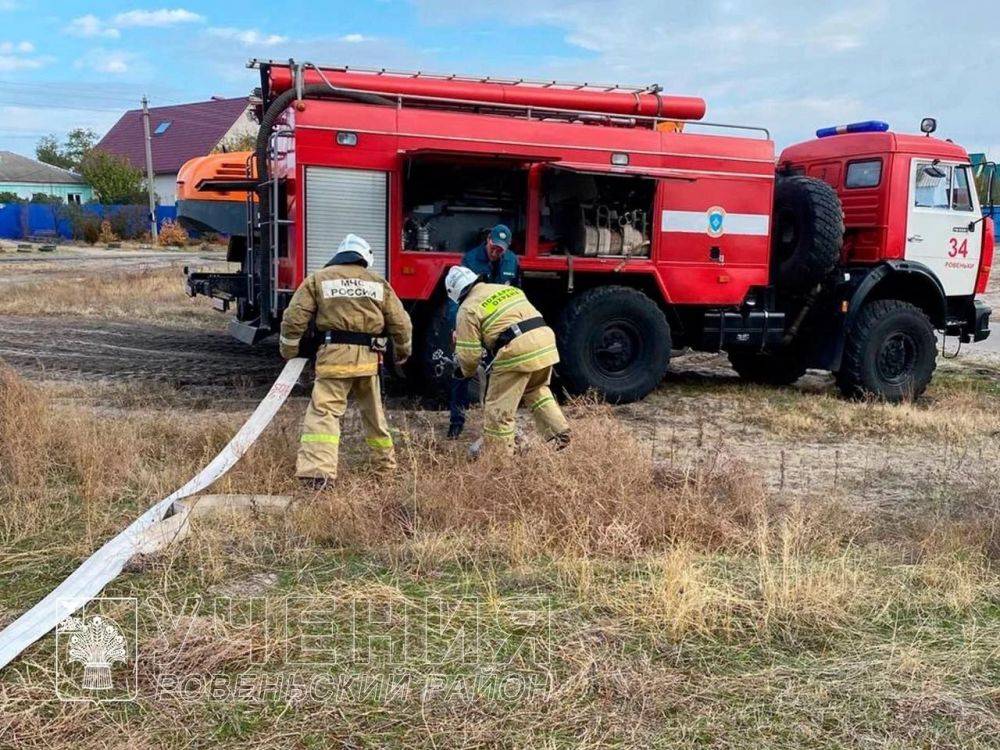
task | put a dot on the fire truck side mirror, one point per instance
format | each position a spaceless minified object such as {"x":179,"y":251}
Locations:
{"x":991,"y":177}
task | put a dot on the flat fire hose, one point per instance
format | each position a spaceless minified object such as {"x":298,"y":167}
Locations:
{"x":103,"y":566}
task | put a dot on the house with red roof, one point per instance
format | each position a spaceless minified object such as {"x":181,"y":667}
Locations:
{"x":178,"y":133}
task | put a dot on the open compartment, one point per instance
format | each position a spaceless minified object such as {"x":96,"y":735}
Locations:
{"x":595,"y":213}
{"x":451,"y":201}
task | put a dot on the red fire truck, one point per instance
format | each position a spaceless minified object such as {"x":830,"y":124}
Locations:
{"x":640,"y":228}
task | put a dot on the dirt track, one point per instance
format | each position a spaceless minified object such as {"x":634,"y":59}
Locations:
{"x":122,"y":351}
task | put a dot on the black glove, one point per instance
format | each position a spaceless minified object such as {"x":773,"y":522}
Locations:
{"x":310,"y":342}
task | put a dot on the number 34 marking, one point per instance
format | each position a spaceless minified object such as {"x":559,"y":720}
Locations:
{"x":958,"y":248}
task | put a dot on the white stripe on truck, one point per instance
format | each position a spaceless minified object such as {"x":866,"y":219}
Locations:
{"x":756,"y":225}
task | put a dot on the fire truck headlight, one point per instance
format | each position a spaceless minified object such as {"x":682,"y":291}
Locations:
{"x":619,"y":160}
{"x":347,"y":138}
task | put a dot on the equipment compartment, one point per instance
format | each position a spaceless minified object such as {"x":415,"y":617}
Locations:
{"x":449,"y":205}
{"x":596,"y":214}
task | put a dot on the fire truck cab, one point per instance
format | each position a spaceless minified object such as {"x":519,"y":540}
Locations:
{"x":914,"y":232}
{"x":638,"y":228}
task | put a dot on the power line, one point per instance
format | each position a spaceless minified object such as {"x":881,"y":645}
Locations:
{"x":91,"y":90}
{"x":63,"y":107}
{"x":23,"y":95}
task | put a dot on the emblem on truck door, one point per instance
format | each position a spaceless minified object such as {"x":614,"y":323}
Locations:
{"x":716,"y":221}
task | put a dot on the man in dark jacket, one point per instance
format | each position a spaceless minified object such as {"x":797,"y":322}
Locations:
{"x":494,"y":260}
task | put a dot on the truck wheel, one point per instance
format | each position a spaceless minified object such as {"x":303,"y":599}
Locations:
{"x":436,"y":344}
{"x":434,"y":374}
{"x":808,"y":233}
{"x":614,"y":340}
{"x":774,"y":368}
{"x":890,"y":353}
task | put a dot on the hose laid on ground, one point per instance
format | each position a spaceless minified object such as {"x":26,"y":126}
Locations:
{"x":103,"y":566}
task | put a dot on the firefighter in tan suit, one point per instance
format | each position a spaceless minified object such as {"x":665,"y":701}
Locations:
{"x":353,"y":308}
{"x":522,"y":349}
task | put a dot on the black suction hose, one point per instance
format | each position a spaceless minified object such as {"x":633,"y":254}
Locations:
{"x":267,"y":123}
{"x":281,"y":103}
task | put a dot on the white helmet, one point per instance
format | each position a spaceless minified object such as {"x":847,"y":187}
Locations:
{"x":459,"y":279}
{"x":352,"y":249}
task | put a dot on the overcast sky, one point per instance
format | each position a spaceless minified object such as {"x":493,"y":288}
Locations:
{"x":789,"y":65}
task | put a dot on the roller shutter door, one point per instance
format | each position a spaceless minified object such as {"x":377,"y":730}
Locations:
{"x":342,"y":201}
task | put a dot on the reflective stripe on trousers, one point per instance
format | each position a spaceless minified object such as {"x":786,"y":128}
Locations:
{"x":320,"y":440}
{"x":319,"y":437}
{"x":505,"y":393}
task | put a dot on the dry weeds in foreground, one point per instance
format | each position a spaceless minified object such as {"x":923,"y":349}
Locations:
{"x":690,"y":607}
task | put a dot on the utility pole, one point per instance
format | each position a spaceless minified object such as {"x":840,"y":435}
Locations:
{"x":149,"y":171}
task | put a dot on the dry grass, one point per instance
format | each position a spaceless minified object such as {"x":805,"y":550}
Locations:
{"x":946,"y":416}
{"x":687,"y":604}
{"x":589,"y":499}
{"x":153,"y":295}
{"x":172,"y":233}
{"x":958,"y":408}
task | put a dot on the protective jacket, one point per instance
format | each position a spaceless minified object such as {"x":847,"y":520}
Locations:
{"x":488,"y":311}
{"x":506,"y":269}
{"x":346,"y":297}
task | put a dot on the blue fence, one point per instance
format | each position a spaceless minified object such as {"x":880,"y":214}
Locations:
{"x":22,"y":220}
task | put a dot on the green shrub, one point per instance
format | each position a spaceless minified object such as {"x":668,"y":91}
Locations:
{"x":46,"y":199}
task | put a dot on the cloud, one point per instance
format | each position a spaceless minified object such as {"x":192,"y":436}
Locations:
{"x":91,"y":26}
{"x":10,"y":47}
{"x":354,"y":38}
{"x":10,"y":63}
{"x":784,"y":64}
{"x":248,"y":37}
{"x":156,"y":18}
{"x":113,"y":62}
{"x":18,"y":56}
{"x":226,"y":63}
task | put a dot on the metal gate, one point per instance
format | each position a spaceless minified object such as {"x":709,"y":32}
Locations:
{"x":342,"y":201}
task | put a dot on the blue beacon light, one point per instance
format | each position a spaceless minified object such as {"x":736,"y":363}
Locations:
{"x":869,"y":126}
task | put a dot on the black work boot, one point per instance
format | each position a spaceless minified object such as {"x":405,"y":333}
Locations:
{"x":560,"y":441}
{"x":455,"y":429}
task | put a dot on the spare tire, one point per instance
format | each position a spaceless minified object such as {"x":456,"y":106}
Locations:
{"x":808,"y":233}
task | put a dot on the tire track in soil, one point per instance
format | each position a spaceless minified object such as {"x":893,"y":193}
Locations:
{"x":136,"y":351}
